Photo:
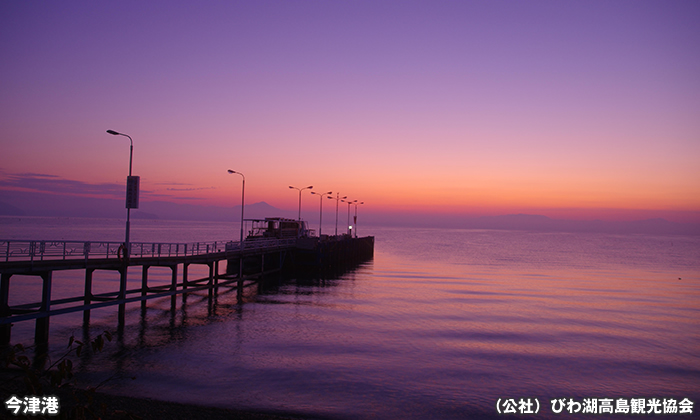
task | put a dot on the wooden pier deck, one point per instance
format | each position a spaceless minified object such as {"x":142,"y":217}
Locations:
{"x":244,"y":261}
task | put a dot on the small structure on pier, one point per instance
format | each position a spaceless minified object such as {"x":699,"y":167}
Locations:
{"x":277,"y":227}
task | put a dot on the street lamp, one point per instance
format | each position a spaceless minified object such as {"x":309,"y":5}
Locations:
{"x":131,"y":200}
{"x":320,"y":211}
{"x":355,"y":220}
{"x":337,"y":200}
{"x":300,"y":190}
{"x":242,"y":201}
{"x":349,"y":204}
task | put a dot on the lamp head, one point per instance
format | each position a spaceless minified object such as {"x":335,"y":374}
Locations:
{"x":112,"y":132}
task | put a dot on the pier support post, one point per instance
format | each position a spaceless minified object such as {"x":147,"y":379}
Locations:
{"x":216,"y":273}
{"x":41,"y":332}
{"x":239,"y":283}
{"x":88,"y":294}
{"x":173,"y":278}
{"x":173,"y":288}
{"x":185,"y":282}
{"x":210,"y":282}
{"x":144,"y":285}
{"x":185,"y":266}
{"x":122,"y":295}
{"x":262,"y":267}
{"x":5,"y":329}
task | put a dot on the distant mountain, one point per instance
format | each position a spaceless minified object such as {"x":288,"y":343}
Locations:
{"x":544,"y":223}
{"x":530,"y":222}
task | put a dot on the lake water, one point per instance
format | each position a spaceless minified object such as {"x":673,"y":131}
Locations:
{"x":441,"y":324}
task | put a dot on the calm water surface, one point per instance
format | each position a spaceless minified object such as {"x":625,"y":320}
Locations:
{"x":441,"y":324}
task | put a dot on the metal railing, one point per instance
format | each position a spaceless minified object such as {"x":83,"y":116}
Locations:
{"x":23,"y":250}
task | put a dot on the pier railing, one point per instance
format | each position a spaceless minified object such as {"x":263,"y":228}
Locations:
{"x":23,"y":250}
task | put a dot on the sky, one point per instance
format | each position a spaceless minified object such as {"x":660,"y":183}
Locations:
{"x":569,"y":109}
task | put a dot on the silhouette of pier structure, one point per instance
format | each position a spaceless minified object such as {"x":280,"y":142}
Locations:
{"x":247,"y":262}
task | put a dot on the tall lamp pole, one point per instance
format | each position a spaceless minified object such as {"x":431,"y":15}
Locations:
{"x":355,"y":220}
{"x":320,"y":211}
{"x":129,"y":205}
{"x":242,"y":201}
{"x":132,"y":202}
{"x":337,"y":199}
{"x":300,"y":190}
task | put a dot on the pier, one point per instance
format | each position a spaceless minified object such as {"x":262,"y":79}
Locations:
{"x":246,"y":262}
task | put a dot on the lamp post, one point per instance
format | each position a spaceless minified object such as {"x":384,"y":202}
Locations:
{"x":355,"y":220}
{"x":300,"y":190}
{"x":337,"y":200}
{"x":132,"y":202}
{"x":349,"y":225}
{"x":242,"y":201}
{"x":320,"y":211}
{"x":129,"y":205}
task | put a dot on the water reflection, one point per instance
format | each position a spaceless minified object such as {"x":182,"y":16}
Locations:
{"x":427,"y":334}
{"x":164,"y":321}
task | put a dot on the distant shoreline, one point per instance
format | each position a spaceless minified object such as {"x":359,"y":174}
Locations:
{"x":514,"y":222}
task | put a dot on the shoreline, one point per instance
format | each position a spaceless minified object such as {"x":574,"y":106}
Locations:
{"x":105,"y":406}
{"x":121,"y":407}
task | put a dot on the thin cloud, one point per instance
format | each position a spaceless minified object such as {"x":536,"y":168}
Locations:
{"x":57,"y":185}
{"x":173,"y":183}
{"x":190,"y":189}
{"x":35,"y":175}
{"x":54,"y":184}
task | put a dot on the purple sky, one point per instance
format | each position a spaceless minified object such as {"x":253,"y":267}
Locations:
{"x":584,"y":109}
